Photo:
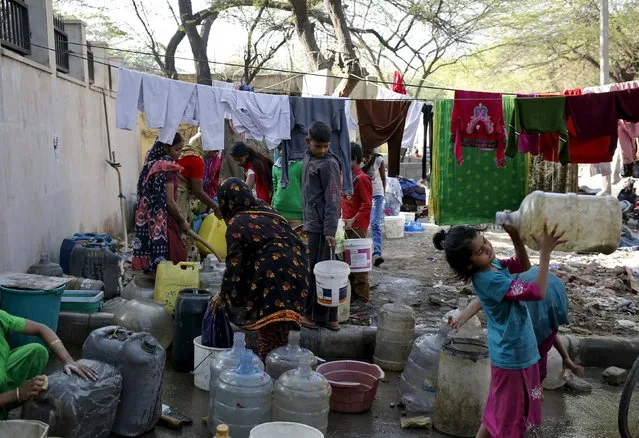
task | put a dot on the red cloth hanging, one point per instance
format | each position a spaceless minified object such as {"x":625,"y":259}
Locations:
{"x":398,"y":83}
{"x":478,"y":121}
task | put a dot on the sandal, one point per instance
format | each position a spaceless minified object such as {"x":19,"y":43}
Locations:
{"x":312,"y":325}
{"x":332,"y":326}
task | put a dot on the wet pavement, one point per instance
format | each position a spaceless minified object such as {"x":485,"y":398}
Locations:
{"x":566,"y":415}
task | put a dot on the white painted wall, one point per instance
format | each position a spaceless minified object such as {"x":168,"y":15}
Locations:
{"x":42,"y":198}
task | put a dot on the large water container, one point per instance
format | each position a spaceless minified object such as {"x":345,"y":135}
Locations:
{"x":46,"y":267}
{"x":463,"y":381}
{"x":97,"y":262}
{"x":555,"y":371}
{"x":146,"y":316}
{"x":226,"y":361}
{"x":74,"y":407}
{"x":395,"y":336}
{"x":417,"y":386}
{"x":189,"y":312}
{"x":303,"y":396}
{"x":140,"y":359}
{"x":170,"y":279}
{"x":141,"y":286}
{"x":243,"y":397}
{"x":592,"y":224}
{"x":287,"y":358}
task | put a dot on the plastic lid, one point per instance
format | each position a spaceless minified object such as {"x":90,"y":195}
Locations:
{"x":222,"y":431}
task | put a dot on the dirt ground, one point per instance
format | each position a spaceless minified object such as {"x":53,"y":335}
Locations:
{"x":598,"y":286}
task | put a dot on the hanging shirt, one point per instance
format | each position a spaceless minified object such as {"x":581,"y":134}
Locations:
{"x":262,"y":117}
{"x":537,"y":116}
{"x":359,"y":204}
{"x":383,"y":122}
{"x":478,"y":122}
{"x":305,"y":111}
{"x":627,"y":102}
{"x":143,"y":92}
{"x":511,"y":338}
{"x":180,"y":94}
{"x":413,"y":117}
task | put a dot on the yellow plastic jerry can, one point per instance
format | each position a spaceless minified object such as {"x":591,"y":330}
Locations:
{"x":170,"y":279}
{"x":213,"y":230}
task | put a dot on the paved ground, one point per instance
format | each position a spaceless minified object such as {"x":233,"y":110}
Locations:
{"x":565,"y":415}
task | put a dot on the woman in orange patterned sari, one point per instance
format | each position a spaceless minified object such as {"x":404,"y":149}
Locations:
{"x":267,"y":272}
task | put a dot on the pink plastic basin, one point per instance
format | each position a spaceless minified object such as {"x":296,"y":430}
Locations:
{"x":354,"y":384}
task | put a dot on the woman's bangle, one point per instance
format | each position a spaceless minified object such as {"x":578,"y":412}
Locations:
{"x":57,"y":341}
{"x":18,"y":394}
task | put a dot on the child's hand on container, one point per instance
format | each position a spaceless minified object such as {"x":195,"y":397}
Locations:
{"x":549,"y":240}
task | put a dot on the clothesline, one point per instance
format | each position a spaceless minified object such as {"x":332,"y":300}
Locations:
{"x":274,"y":70}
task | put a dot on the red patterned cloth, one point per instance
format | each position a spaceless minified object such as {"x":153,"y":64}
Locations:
{"x":398,"y":83}
{"x":478,"y":121}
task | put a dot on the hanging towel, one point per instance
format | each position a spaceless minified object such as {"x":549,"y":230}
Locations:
{"x":211,"y":112}
{"x":474,"y":192}
{"x":627,"y":132}
{"x":180,"y":94}
{"x":127,"y":102}
{"x":303,"y":112}
{"x":478,"y":122}
{"x":539,"y":115}
{"x":383,"y":122}
{"x":262,"y":117}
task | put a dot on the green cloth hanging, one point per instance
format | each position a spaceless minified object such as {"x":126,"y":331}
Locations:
{"x":473,"y":192}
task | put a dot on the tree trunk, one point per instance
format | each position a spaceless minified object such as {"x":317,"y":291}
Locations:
{"x":198,"y":48}
{"x":343,"y":35}
{"x":306,"y":33}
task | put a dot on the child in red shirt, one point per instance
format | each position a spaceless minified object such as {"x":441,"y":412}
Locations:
{"x":356,"y":212}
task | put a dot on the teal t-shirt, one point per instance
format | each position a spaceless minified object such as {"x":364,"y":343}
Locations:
{"x":511,"y":339}
{"x":288,"y":201}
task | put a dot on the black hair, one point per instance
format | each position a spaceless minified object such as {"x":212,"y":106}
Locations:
{"x":456,"y":243}
{"x":368,"y":167}
{"x":320,"y":132}
{"x":356,"y":152}
{"x":263,"y":165}
{"x":176,"y":140}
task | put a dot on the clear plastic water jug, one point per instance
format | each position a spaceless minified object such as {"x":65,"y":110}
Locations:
{"x":395,"y":336}
{"x":243,"y":397}
{"x":417,"y":386}
{"x":287,"y":358}
{"x":471,"y":329}
{"x":592,"y":224}
{"x":302,"y":396}
{"x":226,"y":361}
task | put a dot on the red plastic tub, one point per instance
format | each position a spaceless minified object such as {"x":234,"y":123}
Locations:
{"x":354,"y":384}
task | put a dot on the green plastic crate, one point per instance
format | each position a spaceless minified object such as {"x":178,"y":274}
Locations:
{"x":83,"y":301}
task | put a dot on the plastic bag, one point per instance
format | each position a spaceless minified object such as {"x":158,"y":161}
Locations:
{"x":77,"y":408}
{"x":216,"y":329}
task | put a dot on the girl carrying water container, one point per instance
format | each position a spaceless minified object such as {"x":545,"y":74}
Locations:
{"x":514,"y":400}
{"x":546,"y":315}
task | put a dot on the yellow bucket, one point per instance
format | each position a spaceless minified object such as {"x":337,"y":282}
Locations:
{"x":213,"y":230}
{"x":170,"y":279}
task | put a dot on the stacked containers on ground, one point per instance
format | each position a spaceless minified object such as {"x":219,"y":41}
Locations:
{"x":395,"y":335}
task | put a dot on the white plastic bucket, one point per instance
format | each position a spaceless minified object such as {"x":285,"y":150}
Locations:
{"x":24,"y":429}
{"x":409,"y":217}
{"x":331,"y":278}
{"x":358,"y":253}
{"x":202,"y":358}
{"x":281,"y":429}
{"x":394,"y":227}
